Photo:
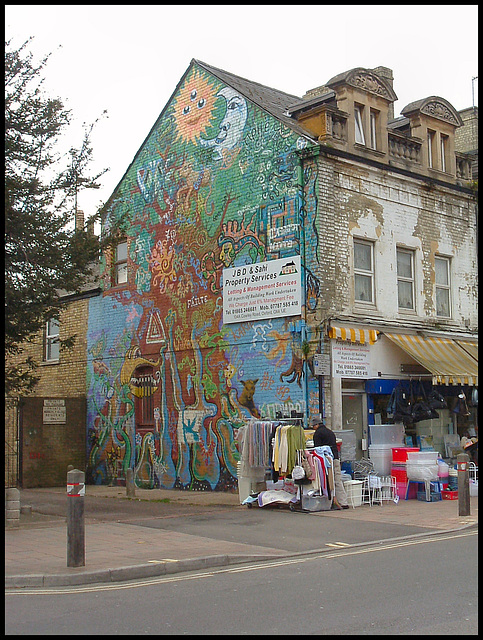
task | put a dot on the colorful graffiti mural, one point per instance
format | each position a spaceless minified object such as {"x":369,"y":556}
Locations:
{"x":216,"y":184}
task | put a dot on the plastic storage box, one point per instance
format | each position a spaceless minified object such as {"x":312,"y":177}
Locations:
{"x":353,"y":489}
{"x":449,"y":495}
{"x":433,"y":497}
{"x":386,"y":434}
{"x":422,"y":472}
{"x":381,"y":456}
{"x":399,"y":472}
{"x":316,"y":503}
{"x":423,"y":457}
{"x":400,"y":454}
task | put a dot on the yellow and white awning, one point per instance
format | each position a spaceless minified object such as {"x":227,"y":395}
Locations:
{"x":353,"y":334}
{"x":449,"y":362}
{"x":470,"y":346}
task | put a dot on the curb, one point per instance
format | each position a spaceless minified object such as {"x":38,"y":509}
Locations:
{"x":133,"y":572}
{"x":136,"y":572}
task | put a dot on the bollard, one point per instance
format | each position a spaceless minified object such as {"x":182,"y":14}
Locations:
{"x":130,"y":486}
{"x":12,"y":508}
{"x":462,"y":461}
{"x":76,"y":489}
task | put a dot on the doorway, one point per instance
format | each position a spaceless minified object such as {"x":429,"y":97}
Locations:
{"x":354,"y":413}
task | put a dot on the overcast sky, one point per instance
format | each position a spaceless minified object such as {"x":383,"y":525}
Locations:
{"x":128,"y":59}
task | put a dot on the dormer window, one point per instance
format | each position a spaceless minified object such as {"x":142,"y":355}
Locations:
{"x":434,"y":120}
{"x":358,"y":114}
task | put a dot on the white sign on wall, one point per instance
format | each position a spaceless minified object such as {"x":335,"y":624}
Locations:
{"x":271,"y":289}
{"x":350,"y":360}
{"x":54,"y":412}
{"x":322,"y":364}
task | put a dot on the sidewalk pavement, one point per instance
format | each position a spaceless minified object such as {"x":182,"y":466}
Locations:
{"x":152,"y":545}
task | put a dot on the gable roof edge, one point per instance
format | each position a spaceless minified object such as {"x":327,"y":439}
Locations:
{"x":236,"y":82}
{"x":168,"y":102}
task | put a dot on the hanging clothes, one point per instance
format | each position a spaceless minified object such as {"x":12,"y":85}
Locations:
{"x":288,"y":439}
{"x":254,"y":441}
{"x":321,"y":458}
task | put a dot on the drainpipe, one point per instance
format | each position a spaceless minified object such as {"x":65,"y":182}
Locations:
{"x":303,"y":153}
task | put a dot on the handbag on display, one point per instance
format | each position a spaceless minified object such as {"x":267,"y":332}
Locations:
{"x":298,"y":473}
{"x":304,"y":463}
{"x":399,"y":406}
{"x":461,"y":407}
{"x":436,"y":400}
{"x":421,"y":409}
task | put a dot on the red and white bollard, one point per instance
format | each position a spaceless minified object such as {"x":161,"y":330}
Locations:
{"x":76,"y":489}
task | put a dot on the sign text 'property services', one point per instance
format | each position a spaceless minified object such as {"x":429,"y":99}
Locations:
{"x":270,"y":289}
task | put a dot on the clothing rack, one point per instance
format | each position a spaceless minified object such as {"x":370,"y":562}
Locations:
{"x":300,"y":484}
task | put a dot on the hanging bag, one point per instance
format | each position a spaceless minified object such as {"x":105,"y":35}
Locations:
{"x":399,"y":407}
{"x":461,"y":407}
{"x":304,"y":463}
{"x":421,"y":409}
{"x":436,"y":400}
{"x":298,"y":472}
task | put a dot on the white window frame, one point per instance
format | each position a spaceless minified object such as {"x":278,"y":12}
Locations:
{"x":430,"y":141}
{"x":52,"y":345}
{"x":359,"y":128}
{"x":443,"y":287}
{"x":364,"y":273}
{"x":373,"y":118}
{"x":120,"y":264}
{"x":444,"y":151}
{"x":406,"y":279}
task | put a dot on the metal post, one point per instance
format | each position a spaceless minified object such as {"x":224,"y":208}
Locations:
{"x":130,"y":486}
{"x":462,"y":460}
{"x":76,"y":489}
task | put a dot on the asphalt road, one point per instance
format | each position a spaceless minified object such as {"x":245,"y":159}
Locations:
{"x":425,"y":586}
{"x":292,"y":532}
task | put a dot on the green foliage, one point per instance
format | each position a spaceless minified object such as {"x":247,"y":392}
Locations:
{"x":44,"y":253}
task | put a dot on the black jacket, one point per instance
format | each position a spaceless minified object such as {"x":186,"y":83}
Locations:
{"x":324,"y":436}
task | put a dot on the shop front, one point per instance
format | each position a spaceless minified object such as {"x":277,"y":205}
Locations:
{"x":368,"y":365}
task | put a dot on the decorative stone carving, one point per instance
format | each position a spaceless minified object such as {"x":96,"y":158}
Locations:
{"x":435,"y":107}
{"x":368,"y":82}
{"x":365,"y":80}
{"x":439,"y":110}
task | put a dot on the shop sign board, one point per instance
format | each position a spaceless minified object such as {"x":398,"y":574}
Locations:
{"x":350,"y":360}
{"x":271,"y":289}
{"x":322,"y":364}
{"x":54,"y":411}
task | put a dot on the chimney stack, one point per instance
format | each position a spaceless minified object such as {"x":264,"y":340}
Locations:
{"x":79,"y":220}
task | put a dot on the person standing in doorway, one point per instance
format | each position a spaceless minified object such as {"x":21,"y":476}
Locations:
{"x":324,"y":436}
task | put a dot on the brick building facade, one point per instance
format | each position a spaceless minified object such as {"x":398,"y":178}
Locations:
{"x":234,"y":177}
{"x":45,"y":430}
{"x":277,"y":251}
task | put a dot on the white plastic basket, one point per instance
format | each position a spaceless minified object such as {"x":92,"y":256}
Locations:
{"x":473,"y":478}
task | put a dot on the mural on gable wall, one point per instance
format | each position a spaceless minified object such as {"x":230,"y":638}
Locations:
{"x":215,"y":185}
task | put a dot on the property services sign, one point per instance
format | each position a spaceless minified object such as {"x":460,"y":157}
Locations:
{"x":350,"y":360}
{"x":270,"y":289}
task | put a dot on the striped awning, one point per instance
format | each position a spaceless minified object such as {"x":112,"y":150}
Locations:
{"x":470,"y":346}
{"x":353,"y":334}
{"x":449,"y":362}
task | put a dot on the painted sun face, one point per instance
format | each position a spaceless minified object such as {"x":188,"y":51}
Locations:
{"x":193,"y":107}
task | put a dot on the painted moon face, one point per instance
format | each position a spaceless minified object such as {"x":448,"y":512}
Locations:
{"x":232,"y":125}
